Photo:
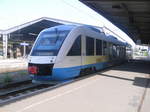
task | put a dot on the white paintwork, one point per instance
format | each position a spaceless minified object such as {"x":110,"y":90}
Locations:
{"x":69,"y":61}
{"x":42,"y":59}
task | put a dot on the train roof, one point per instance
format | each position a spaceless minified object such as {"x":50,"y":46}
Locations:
{"x":115,"y":40}
{"x":109,"y":38}
{"x":61,"y":27}
{"x":71,"y":26}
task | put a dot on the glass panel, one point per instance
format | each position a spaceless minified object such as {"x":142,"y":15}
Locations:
{"x":76,"y":48}
{"x":89,"y":46}
{"x":114,"y":51}
{"x":49,"y":43}
{"x":104,"y":48}
{"x":1,"y":46}
{"x":98,"y":47}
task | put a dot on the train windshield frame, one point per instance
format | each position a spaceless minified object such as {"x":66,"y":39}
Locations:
{"x":49,"y":42}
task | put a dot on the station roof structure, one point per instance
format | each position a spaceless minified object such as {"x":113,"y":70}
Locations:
{"x":132,"y":16}
{"x":35,"y":26}
{"x":29,"y":30}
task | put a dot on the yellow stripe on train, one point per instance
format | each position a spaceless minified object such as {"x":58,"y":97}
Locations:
{"x":94,"y":59}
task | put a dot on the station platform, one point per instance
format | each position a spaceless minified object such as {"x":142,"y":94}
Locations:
{"x":10,"y":65}
{"x":124,"y":88}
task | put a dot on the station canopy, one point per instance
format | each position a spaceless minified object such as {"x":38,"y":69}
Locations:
{"x":132,"y":16}
{"x":31,"y":29}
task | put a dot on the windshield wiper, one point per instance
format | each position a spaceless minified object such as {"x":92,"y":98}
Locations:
{"x":57,"y":36}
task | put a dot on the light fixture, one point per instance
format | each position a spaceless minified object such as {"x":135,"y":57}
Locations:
{"x":34,"y":34}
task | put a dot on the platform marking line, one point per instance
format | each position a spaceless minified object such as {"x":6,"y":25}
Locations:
{"x":59,"y":95}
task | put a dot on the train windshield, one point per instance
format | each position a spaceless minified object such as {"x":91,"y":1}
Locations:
{"x":49,"y":42}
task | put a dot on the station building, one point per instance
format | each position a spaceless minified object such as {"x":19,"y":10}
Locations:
{"x":17,"y":41}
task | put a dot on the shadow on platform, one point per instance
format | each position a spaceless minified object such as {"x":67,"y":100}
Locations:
{"x":116,"y":77}
{"x":137,"y":81}
{"x":134,"y":66}
{"x":142,"y":82}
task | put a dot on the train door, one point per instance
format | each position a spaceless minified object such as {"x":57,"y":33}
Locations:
{"x":74,"y":55}
{"x":87,"y":57}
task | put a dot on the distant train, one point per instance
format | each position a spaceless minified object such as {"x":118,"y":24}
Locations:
{"x":67,"y":51}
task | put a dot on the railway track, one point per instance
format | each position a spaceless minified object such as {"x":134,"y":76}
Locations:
{"x":23,"y":90}
{"x":18,"y":90}
{"x":14,"y":84}
{"x":29,"y":89}
{"x":13,"y":92}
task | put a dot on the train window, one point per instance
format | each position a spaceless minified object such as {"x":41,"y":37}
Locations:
{"x":76,"y":48}
{"x":114,"y":50}
{"x":89,"y":46}
{"x":49,"y":43}
{"x":110,"y":51}
{"x":98,"y":47}
{"x":118,"y":50}
{"x":104,"y":48}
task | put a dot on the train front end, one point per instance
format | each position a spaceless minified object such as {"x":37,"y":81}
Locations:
{"x":43,"y":55}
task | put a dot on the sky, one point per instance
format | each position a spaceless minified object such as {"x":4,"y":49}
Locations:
{"x":16,"y":12}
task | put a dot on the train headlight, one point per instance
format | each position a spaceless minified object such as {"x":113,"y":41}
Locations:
{"x":32,"y":69}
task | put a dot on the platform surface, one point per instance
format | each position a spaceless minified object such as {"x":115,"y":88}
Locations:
{"x":119,"y":89}
{"x":10,"y":65}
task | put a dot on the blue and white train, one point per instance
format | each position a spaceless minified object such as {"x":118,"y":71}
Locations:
{"x":67,"y":51}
